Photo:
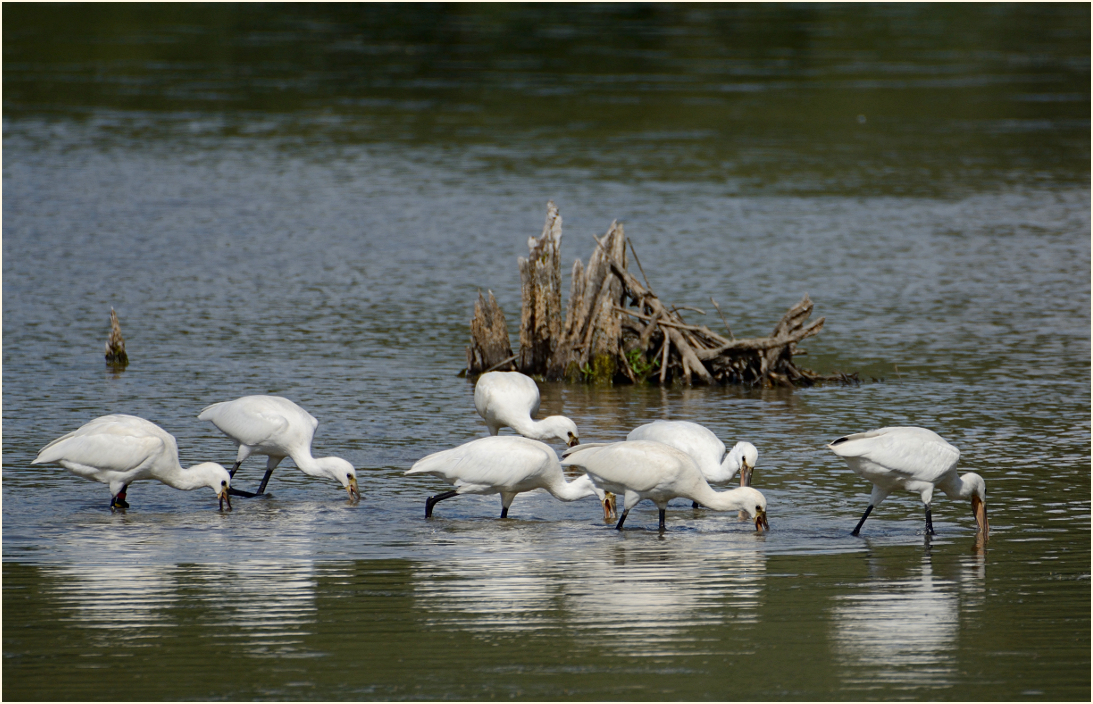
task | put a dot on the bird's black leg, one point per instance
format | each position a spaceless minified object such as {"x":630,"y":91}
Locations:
{"x":504,"y":512}
{"x":250,"y":495}
{"x":929,"y":521}
{"x":239,"y":492}
{"x":695,"y":504}
{"x":432,"y":500}
{"x":865,"y":515}
{"x":265,"y":480}
{"x":622,"y":519}
{"x":662,"y":512}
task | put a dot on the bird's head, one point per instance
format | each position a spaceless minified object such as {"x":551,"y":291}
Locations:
{"x":755,"y":504}
{"x":560,"y":429}
{"x":747,"y":456}
{"x":217,"y":479}
{"x":342,"y":472}
{"x":610,"y":512}
{"x":974,"y":485}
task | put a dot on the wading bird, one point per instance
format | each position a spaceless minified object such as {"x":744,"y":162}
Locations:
{"x":705,"y":448}
{"x":643,"y":469}
{"x":278,"y":428}
{"x":118,"y":450}
{"x":913,"y":459}
{"x":510,"y":399}
{"x":505,"y":465}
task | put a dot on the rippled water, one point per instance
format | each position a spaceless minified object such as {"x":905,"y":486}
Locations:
{"x":329,"y":248}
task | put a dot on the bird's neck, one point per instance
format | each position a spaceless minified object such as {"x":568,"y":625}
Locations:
{"x":720,"y":500}
{"x":956,"y":487}
{"x":579,"y":488}
{"x":534,"y":429}
{"x":310,"y":465}
{"x":185,"y":479}
{"x":731,"y":464}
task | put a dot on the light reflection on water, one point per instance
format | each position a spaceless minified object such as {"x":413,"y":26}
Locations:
{"x":901,"y":631}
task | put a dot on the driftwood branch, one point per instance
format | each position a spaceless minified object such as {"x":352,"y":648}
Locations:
{"x":616,"y":329}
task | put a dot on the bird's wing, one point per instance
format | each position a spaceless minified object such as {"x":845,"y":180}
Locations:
{"x":112,"y":451}
{"x":507,"y":396}
{"x":696,"y":440}
{"x":639,"y":465}
{"x":248,"y":423}
{"x":913,"y":453}
{"x":510,"y":462}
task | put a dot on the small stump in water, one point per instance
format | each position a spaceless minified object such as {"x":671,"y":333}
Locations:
{"x":115,"y":345}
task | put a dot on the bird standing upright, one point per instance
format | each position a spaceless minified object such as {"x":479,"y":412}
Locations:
{"x":118,"y":450}
{"x":278,"y":428}
{"x":914,"y":459}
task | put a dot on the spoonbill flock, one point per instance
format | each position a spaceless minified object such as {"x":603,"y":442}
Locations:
{"x":658,"y":461}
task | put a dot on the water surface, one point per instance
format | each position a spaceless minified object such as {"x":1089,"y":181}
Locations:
{"x":305,"y":201}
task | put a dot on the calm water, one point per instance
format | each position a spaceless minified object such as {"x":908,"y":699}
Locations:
{"x":305,"y":201}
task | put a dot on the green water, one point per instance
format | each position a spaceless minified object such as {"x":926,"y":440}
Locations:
{"x":305,"y":200}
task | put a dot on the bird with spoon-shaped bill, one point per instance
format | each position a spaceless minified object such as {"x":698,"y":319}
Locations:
{"x":912,"y":459}
{"x":118,"y":450}
{"x":505,"y":465}
{"x":643,"y":469}
{"x":705,"y":448}
{"x":510,"y":399}
{"x":277,"y":428}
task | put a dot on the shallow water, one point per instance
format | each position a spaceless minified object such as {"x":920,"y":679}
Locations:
{"x":327,"y":245}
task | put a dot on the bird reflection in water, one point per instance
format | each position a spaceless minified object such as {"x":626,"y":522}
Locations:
{"x":903,"y":632}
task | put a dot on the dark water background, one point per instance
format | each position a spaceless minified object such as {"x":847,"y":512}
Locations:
{"x":304,"y":200}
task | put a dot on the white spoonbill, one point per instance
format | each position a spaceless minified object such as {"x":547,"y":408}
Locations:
{"x":914,"y":459}
{"x":510,"y":399}
{"x":644,"y":469}
{"x":505,"y":465}
{"x":117,"y":450}
{"x":278,"y":428}
{"x":705,"y":448}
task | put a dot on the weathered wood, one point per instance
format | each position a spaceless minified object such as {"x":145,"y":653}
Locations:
{"x":541,"y":294}
{"x":613,"y":322}
{"x":590,"y":344}
{"x":115,"y":344}
{"x":490,"y":348}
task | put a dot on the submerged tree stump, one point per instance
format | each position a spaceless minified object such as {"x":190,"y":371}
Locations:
{"x":541,"y":293}
{"x":115,"y":344}
{"x":617,"y":330}
{"x":489,"y":349}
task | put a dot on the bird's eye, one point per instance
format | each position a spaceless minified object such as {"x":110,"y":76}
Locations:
{"x":223,"y":483}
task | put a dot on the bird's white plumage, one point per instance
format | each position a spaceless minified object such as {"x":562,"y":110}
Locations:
{"x":704,"y":447}
{"x":120,"y":449}
{"x":645,"y":469}
{"x":912,"y":459}
{"x":510,"y":399}
{"x":506,"y":465}
{"x":278,"y":428}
